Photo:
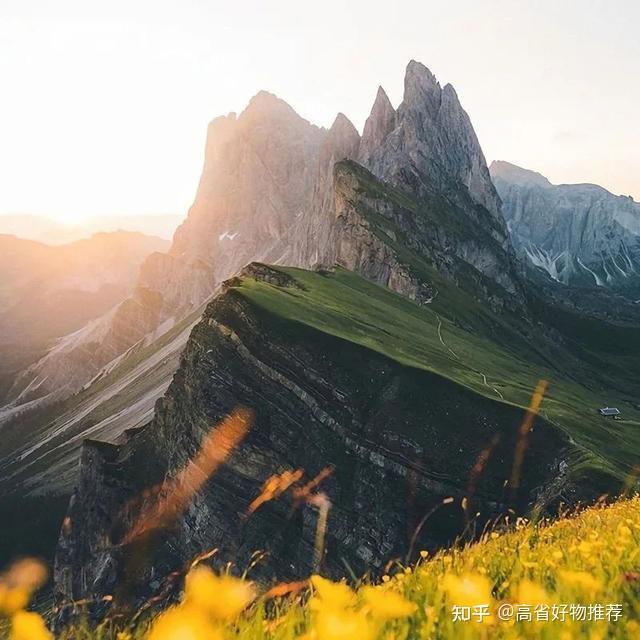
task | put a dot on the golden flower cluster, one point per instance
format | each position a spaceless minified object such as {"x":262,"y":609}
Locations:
{"x":17,"y":586}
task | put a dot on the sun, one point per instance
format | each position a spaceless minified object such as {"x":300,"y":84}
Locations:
{"x":69,"y":219}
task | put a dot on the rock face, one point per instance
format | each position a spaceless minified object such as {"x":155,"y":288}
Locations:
{"x":578,"y":235}
{"x":259,"y":175}
{"x":311,"y":240}
{"x":432,"y":146}
{"x":380,"y":123}
{"x":432,"y":226}
{"x":428,"y":150}
{"x":392,"y":433}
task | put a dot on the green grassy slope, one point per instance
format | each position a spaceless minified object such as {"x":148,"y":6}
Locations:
{"x":491,"y":358}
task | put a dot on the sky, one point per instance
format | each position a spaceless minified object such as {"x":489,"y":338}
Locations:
{"x":104,"y":105}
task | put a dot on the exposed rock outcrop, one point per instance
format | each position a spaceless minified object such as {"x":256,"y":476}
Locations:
{"x":578,"y":235}
{"x":259,"y":174}
{"x":380,"y":123}
{"x":433,"y":146}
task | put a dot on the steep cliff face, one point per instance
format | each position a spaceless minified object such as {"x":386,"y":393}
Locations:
{"x":579,"y":235}
{"x":312,"y":356}
{"x":389,"y":235}
{"x":311,"y":239}
{"x":259,"y":175}
{"x":380,"y":123}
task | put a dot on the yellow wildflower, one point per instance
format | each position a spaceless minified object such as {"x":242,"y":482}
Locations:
{"x":529,"y":592}
{"x":624,"y":531}
{"x":341,"y":624}
{"x":582,"y":580}
{"x":18,"y":584}
{"x":334,"y":595}
{"x":633,"y":629}
{"x":223,"y":597}
{"x":386,"y":604}
{"x":467,"y":589}
{"x":26,"y":625}
{"x":183,"y":623}
{"x":12,"y":599}
{"x":424,"y":554}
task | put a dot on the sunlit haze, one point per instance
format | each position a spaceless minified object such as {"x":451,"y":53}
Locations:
{"x":105,"y":105}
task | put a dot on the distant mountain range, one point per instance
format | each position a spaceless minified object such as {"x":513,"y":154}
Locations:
{"x":575,"y":234}
{"x":49,"y":231}
{"x":363,"y":296}
{"x":49,"y":291}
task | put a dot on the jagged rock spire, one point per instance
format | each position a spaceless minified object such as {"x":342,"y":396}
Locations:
{"x":432,"y":144}
{"x":380,"y":123}
{"x":421,"y":88}
{"x":342,"y":140}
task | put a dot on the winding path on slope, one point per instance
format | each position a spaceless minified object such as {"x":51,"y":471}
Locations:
{"x":457,"y":357}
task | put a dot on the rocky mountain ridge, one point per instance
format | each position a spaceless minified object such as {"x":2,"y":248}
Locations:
{"x":253,"y":183}
{"x":266,"y":194}
{"x":579,"y":235}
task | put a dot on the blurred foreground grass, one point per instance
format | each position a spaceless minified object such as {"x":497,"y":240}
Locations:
{"x":583,"y":570}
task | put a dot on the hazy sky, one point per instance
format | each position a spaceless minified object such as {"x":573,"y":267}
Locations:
{"x":104,"y":105}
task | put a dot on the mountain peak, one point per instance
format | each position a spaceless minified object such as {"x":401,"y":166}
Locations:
{"x":265,"y":98}
{"x":265,"y":103}
{"x":342,"y":141}
{"x":382,"y":100}
{"x":417,"y":70}
{"x":517,"y":175}
{"x":419,"y":81}
{"x":429,"y":141}
{"x":343,"y":125}
{"x":380,"y":123}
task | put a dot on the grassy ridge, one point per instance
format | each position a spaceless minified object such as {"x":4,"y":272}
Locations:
{"x":493,"y":361}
